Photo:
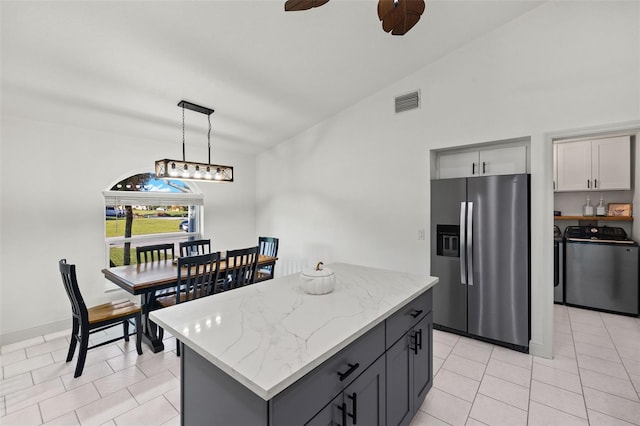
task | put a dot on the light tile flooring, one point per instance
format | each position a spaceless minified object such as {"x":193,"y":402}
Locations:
{"x":594,"y":379}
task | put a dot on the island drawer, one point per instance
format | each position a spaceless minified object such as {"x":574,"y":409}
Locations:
{"x":301,"y":401}
{"x":407,"y":316}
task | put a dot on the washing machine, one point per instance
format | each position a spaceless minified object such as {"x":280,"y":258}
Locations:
{"x":601,"y":269}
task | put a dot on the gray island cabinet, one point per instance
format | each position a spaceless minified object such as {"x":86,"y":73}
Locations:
{"x":270,"y":354}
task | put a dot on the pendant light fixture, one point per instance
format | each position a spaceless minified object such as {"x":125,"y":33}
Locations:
{"x":189,"y":170}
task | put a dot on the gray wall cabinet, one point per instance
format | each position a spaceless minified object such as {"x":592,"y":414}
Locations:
{"x":379,"y":379}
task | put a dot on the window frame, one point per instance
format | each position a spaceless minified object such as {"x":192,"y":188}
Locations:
{"x":194,"y":200}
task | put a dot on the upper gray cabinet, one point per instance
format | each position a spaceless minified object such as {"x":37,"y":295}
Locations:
{"x":500,"y":160}
{"x":593,"y":165}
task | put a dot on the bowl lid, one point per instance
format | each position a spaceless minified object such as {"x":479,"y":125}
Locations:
{"x":317,"y":272}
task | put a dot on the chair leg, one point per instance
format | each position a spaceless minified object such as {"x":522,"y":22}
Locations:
{"x":82,"y":355}
{"x":139,"y":333}
{"x":74,"y":339}
{"x":125,"y":326}
{"x":160,"y":333}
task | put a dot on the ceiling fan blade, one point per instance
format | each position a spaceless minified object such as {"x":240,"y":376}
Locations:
{"x":415,"y":6}
{"x":385,"y":7}
{"x":399,"y":16}
{"x":387,"y":24}
{"x":295,"y":5}
{"x":406,"y":24}
{"x":410,"y":16}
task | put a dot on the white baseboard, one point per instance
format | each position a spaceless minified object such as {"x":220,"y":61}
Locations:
{"x":541,"y":350}
{"x":30,"y":333}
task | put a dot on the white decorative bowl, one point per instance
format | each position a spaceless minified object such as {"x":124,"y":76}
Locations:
{"x":318,"y":281}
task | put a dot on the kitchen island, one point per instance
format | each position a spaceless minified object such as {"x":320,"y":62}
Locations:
{"x":270,"y":354}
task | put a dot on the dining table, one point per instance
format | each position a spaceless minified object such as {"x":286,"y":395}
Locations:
{"x":146,"y":279}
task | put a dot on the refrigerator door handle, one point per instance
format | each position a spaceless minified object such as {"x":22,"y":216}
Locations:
{"x":469,"y":242}
{"x":463,"y":243}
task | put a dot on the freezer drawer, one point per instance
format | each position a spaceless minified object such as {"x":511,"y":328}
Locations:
{"x":602,"y":276}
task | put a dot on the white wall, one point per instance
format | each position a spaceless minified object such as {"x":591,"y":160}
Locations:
{"x":571,"y":203}
{"x":52,"y":208}
{"x":356,"y":187}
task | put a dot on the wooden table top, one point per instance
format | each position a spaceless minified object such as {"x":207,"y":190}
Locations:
{"x":145,"y":277}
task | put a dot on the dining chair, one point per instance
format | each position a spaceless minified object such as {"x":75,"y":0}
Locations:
{"x":87,"y":321}
{"x":241,"y":267}
{"x":195,"y":247}
{"x":197,"y":277}
{"x":267,"y":246}
{"x":155,"y":252}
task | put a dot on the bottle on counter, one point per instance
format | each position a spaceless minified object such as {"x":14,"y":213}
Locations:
{"x":587,"y":209}
{"x":601,"y":210}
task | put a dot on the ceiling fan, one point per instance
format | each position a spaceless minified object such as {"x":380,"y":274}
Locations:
{"x":397,"y":16}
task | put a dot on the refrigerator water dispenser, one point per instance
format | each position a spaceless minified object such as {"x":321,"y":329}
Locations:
{"x":448,"y":240}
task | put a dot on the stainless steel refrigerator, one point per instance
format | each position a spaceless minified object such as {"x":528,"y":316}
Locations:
{"x":480,"y":252}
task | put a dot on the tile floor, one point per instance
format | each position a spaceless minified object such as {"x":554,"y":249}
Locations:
{"x":593,"y":379}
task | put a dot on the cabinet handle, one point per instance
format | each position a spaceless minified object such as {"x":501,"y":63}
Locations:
{"x":352,"y":368}
{"x":414,"y":342}
{"x":484,"y":167}
{"x":354,"y":412}
{"x":595,"y":183}
{"x":473,"y":168}
{"x":588,"y":183}
{"x":416,"y":313}
{"x":419,"y":345}
{"x":343,"y":408}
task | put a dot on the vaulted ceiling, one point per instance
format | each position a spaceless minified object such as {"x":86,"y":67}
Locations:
{"x":122,"y":66}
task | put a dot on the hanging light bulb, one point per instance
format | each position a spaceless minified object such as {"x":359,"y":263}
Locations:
{"x":185,"y":173}
{"x":208,"y":174}
{"x":172,"y":172}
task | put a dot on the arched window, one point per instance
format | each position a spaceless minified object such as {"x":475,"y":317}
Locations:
{"x":142,"y":210}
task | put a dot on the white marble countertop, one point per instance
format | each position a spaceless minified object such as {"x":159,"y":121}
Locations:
{"x":270,"y":334}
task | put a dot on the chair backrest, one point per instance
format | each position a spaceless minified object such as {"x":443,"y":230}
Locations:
{"x":155,"y":252}
{"x":197,"y":276}
{"x":268,"y":246}
{"x":70,"y":281}
{"x":195,"y":247}
{"x":241,"y":267}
